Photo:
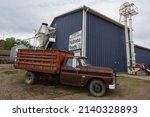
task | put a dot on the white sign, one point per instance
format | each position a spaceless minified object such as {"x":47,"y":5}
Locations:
{"x":75,"y":41}
{"x":77,"y":53}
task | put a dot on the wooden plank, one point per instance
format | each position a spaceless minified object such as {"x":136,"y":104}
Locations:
{"x":36,"y":59}
{"x":38,"y":64}
{"x":37,"y":56}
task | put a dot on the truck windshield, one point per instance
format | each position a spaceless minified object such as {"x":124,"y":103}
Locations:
{"x":72,"y":62}
{"x":84,"y":62}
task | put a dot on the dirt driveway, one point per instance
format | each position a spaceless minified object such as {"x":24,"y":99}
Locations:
{"x":13,"y":87}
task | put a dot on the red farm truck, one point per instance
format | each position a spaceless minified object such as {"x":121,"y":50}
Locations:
{"x":64,"y":68}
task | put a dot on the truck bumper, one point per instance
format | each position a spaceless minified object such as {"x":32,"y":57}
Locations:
{"x":115,"y":84}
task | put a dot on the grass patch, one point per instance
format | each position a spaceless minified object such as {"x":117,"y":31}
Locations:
{"x":9,"y":72}
{"x":133,"y":88}
{"x":19,"y":75}
{"x":132,"y":81}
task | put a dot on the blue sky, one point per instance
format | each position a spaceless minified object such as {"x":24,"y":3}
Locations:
{"x":19,"y":18}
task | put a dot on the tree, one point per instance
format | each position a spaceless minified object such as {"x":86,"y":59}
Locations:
{"x":10,"y":42}
{"x":1,"y":43}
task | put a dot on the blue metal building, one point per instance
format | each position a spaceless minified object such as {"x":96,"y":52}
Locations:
{"x":102,"y":39}
{"x":142,"y":55}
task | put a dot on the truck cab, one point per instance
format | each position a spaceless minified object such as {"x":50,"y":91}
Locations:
{"x":77,"y":72}
{"x":71,"y":70}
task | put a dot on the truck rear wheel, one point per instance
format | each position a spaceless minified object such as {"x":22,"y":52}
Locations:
{"x":29,"y":78}
{"x":97,"y":88}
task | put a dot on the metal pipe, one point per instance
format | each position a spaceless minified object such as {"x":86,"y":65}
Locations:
{"x":84,"y":33}
{"x":131,"y":42}
{"x":127,"y":44}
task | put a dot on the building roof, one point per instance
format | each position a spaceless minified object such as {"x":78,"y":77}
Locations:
{"x":19,"y":46}
{"x":88,"y":9}
{"x":141,"y":47}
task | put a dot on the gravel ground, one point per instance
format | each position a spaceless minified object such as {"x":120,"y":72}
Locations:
{"x":12,"y":87}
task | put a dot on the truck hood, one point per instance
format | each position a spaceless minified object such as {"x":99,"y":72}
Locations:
{"x":102,"y":71}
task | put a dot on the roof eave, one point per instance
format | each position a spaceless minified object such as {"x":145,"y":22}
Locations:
{"x":88,"y":9}
{"x":66,"y":13}
{"x":138,"y":46}
{"x":104,"y":17}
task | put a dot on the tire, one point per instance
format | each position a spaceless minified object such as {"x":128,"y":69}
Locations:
{"x":97,"y":88}
{"x":29,"y":78}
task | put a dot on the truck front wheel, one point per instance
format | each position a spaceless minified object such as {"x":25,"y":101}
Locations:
{"x":97,"y":88}
{"x":29,"y":78}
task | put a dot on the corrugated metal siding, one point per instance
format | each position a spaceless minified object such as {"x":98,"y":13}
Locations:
{"x":142,"y":56}
{"x":65,"y":26}
{"x":105,"y":44}
{"x":14,"y":50}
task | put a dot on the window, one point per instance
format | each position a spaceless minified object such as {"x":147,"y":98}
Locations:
{"x":72,"y":62}
{"x":69,"y":62}
{"x":83,"y":62}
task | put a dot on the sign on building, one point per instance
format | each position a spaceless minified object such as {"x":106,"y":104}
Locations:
{"x":75,"y":41}
{"x":77,"y":53}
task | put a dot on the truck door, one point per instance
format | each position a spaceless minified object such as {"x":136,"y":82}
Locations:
{"x":69,"y":72}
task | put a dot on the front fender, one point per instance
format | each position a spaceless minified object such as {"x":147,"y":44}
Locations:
{"x":86,"y":79}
